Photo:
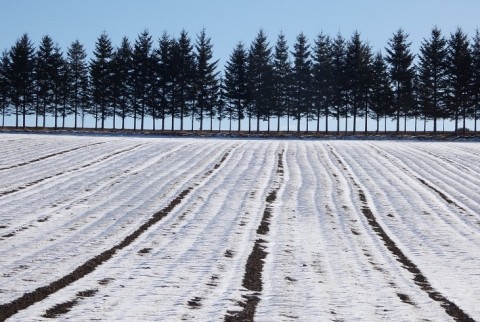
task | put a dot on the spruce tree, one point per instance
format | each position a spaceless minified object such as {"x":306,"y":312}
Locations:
{"x":322,"y":78}
{"x":302,"y":81}
{"x":476,"y":77}
{"x":44,"y":70}
{"x":4,"y":87}
{"x":122,"y":70}
{"x":282,"y":73}
{"x":381,"y":95}
{"x":357,"y":72}
{"x":78,"y":81}
{"x":401,"y":71}
{"x":142,"y":68}
{"x":235,"y":84}
{"x":433,"y":76}
{"x":165,"y":77}
{"x":206,"y":80}
{"x":339,"y":79}
{"x":20,"y":75}
{"x":460,"y":76}
{"x":59,"y":77}
{"x":101,"y":78}
{"x":260,"y":78}
{"x":221,"y":110}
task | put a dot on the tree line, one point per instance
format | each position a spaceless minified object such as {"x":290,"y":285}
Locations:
{"x":175,"y":78}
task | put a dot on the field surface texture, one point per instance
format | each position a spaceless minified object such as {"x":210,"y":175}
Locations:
{"x":115,"y":228}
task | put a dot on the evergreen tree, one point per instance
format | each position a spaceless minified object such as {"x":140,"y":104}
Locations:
{"x":183,"y":75}
{"x":20,"y":75}
{"x":476,"y":77}
{"x":78,"y":81}
{"x":221,"y":110}
{"x":322,"y":78}
{"x":142,"y":68}
{"x":260,"y":79}
{"x":282,"y":73}
{"x":59,"y":78}
{"x":44,"y":70}
{"x":206,"y":81}
{"x":401,"y":71}
{"x":235,"y":84}
{"x":339,"y":78}
{"x":460,"y":76}
{"x":122,"y":69}
{"x":101,"y":78}
{"x":433,"y":76}
{"x":165,"y":77}
{"x":381,"y":95}
{"x":4,"y":87}
{"x":357,"y":72}
{"x":302,"y":81}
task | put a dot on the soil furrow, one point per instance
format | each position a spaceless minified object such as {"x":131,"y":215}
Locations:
{"x":9,"y":309}
{"x":48,"y":156}
{"x":418,"y":277}
{"x":32,"y":183}
{"x":252,"y":280}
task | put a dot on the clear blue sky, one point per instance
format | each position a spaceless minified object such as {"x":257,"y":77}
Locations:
{"x":228,"y":21}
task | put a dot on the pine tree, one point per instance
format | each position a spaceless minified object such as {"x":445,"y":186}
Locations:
{"x":433,"y":76}
{"x":381,"y":95}
{"x":101,"y":78}
{"x":122,"y":70}
{"x":357,"y":72}
{"x":4,"y":87}
{"x":78,"y":81}
{"x":206,"y":80}
{"x":460,"y":76}
{"x":302,"y":81}
{"x":235,"y":84}
{"x":401,"y":71}
{"x":282,"y":73}
{"x":142,"y":68}
{"x":221,"y":110}
{"x":44,"y":69}
{"x":165,"y":77}
{"x":20,"y":75}
{"x":322,"y":78}
{"x":183,"y":69}
{"x":476,"y":77}
{"x":260,"y":78}
{"x":339,"y":78}
{"x":59,"y":78}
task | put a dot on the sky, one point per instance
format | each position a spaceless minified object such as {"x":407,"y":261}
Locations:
{"x":227,"y":22}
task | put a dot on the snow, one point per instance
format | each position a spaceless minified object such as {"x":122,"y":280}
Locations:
{"x":66,"y":199}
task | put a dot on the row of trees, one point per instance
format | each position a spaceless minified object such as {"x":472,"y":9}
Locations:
{"x":332,"y":78}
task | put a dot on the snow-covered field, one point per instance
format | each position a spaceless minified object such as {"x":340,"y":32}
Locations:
{"x":112,"y":228}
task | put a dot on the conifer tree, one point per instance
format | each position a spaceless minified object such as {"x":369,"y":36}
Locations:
{"x":476,"y":77}
{"x":460,"y":76}
{"x":260,"y":78}
{"x":165,"y":77}
{"x":322,"y":78}
{"x":357,"y":72}
{"x":122,"y":73}
{"x":44,"y":70}
{"x":339,"y":78}
{"x":59,"y":77}
{"x":381,"y":95}
{"x":302,"y":81}
{"x":282,"y":73}
{"x":4,"y":87}
{"x":206,"y":80}
{"x":20,"y":76}
{"x":433,"y":76}
{"x":141,"y":77}
{"x":235,"y":84}
{"x":401,"y":71}
{"x":221,"y":110}
{"x":101,"y":78}
{"x":78,"y":81}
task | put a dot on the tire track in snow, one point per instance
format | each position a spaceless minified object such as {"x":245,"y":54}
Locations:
{"x":419,"y":278}
{"x":48,"y":156}
{"x":35,"y":182}
{"x":252,"y":279}
{"x":9,"y":309}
